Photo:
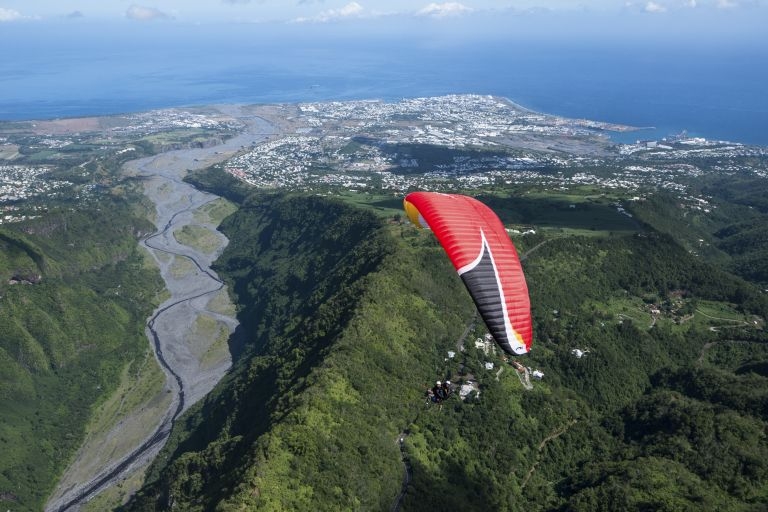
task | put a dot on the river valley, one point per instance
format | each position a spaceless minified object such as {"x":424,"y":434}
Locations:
{"x":188,"y":332}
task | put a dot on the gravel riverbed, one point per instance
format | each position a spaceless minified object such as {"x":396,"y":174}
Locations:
{"x":192,"y":364}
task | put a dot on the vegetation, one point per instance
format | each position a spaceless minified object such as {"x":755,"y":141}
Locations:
{"x":736,"y":235}
{"x":649,"y":313}
{"x":349,"y":316}
{"x":198,"y":237}
{"x":428,"y":155}
{"x":75,"y":293}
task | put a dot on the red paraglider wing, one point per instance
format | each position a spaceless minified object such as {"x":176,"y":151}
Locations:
{"x":485,"y":258}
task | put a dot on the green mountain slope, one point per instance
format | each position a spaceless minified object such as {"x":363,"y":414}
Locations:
{"x":731,"y":230}
{"x":74,"y":296}
{"x":349,"y":318}
{"x":326,"y":383}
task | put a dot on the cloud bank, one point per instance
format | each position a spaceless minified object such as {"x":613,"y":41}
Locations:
{"x":654,"y":7}
{"x":140,"y":13}
{"x":436,"y":10}
{"x":9,"y":15}
{"x":351,"y":10}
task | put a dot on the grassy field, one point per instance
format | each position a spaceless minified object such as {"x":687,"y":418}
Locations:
{"x":222,"y":304}
{"x":138,"y":384}
{"x":555,"y":211}
{"x":722,"y":312}
{"x":150,"y":264}
{"x":708,"y":314}
{"x":181,"y":267}
{"x":618,"y":309}
{"x":384,"y":205}
{"x":197,"y":237}
{"x":580,"y":212}
{"x":215,"y":211}
{"x":208,"y":352}
{"x":584,"y":212}
{"x":8,"y":151}
{"x":175,"y":137}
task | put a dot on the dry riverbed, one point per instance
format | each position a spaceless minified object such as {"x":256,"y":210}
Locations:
{"x":187,"y":333}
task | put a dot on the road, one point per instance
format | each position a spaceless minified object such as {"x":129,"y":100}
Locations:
{"x":170,"y":328}
{"x":407,"y":476}
{"x":554,"y":435}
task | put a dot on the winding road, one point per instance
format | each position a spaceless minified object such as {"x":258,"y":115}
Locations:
{"x":191,"y":371}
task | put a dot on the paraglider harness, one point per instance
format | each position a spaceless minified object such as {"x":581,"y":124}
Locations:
{"x":439,"y":392}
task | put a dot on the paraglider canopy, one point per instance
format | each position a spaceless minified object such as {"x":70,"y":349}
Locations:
{"x":483,"y":254}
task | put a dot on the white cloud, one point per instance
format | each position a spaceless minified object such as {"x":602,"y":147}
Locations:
{"x":351,"y":10}
{"x":690,"y":3}
{"x":445,"y":9}
{"x":9,"y":15}
{"x":138,"y":12}
{"x":654,"y":7}
{"x":726,"y":4}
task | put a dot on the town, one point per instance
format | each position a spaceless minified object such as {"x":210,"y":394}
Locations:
{"x":471,"y":142}
{"x":19,"y":183}
{"x":447,"y":143}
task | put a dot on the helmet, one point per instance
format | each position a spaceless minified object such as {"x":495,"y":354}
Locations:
{"x":438,"y":383}
{"x":448,"y":382}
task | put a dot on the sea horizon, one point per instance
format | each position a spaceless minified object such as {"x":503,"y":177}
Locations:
{"x":712,"y":91}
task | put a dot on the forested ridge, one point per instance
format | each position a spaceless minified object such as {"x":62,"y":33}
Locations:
{"x":75,"y":292}
{"x":734,"y":232}
{"x":310,"y":413}
{"x":349,"y":317}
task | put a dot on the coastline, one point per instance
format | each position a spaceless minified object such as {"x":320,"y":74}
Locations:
{"x":621,"y":133}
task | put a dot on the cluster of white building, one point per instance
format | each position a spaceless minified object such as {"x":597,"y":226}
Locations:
{"x":367,"y":141}
{"x":365,"y":144}
{"x":22,"y":182}
{"x":476,"y":142}
{"x":453,"y":120}
{"x":169,"y":119}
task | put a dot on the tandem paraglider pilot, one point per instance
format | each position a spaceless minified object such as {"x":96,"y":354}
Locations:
{"x":439,"y":392}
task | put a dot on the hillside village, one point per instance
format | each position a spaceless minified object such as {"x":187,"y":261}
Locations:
{"x":31,"y":153}
{"x":19,"y":183}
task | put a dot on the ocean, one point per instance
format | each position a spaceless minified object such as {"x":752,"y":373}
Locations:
{"x":715,"y":91}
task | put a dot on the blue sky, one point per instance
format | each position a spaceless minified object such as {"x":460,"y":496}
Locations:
{"x":328,"y":11}
{"x":702,"y":22}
